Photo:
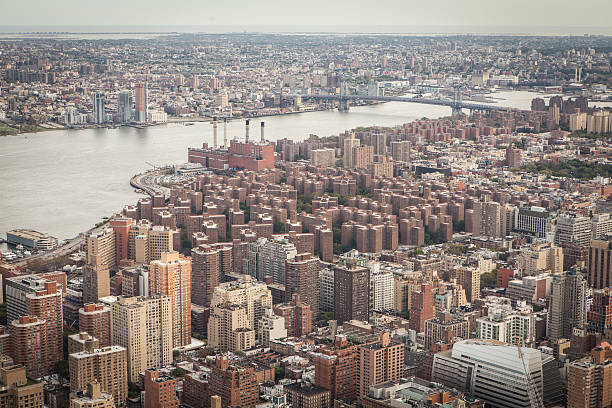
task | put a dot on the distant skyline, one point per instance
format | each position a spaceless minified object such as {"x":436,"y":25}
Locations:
{"x":592,"y":16}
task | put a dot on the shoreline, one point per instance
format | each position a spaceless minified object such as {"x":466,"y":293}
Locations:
{"x":42,"y":129}
{"x":171,"y":120}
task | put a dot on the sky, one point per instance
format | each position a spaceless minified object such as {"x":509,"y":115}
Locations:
{"x":295,"y":13}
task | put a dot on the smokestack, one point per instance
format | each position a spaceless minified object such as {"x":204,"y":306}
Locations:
{"x":576,"y":75}
{"x":225,"y":133}
{"x":263,"y":139}
{"x":214,"y":132}
{"x":246,"y":137}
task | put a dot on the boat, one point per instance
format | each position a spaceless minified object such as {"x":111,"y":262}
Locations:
{"x":189,"y":124}
{"x":19,"y":247}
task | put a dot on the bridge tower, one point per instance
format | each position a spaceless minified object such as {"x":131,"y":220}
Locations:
{"x":343,"y":103}
{"x":457,"y":100}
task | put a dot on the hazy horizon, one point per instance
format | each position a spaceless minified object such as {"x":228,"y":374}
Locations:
{"x":309,"y":28}
{"x":467,"y":14}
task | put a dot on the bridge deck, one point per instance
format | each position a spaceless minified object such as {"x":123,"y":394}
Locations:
{"x":427,"y":101}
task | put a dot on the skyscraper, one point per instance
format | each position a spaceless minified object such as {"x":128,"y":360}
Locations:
{"x":247,"y":293}
{"x":28,"y":345}
{"x":229,"y":328}
{"x":600,"y":263}
{"x":302,"y":277}
{"x":336,"y":369}
{"x":101,"y":248}
{"x":94,"y":319}
{"x":171,"y":276}
{"x":160,"y":390}
{"x":379,"y":362}
{"x":144,"y":327}
{"x":205,"y":274}
{"x":573,"y":228}
{"x":421,"y":307}
{"x":351,"y":293}
{"x":235,"y":385}
{"x":599,"y":316}
{"x":469,"y":279}
{"x":17,"y":288}
{"x":135,"y":282}
{"x":589,"y":381}
{"x":507,"y":325}
{"x":47,"y":304}
{"x":513,"y":156}
{"x":601,"y":225}
{"x":121,"y":227}
{"x":381,"y":290}
{"x":533,"y":220}
{"x":106,"y":366}
{"x":446,"y":328}
{"x":326,"y":290}
{"x":349,"y":145}
{"x":140,"y":111}
{"x":274,"y":254}
{"x":96,"y":283}
{"x":98,"y":107}
{"x":125,"y":107}
{"x":567,"y":307}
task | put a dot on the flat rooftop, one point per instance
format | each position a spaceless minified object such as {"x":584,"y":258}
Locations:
{"x":28,"y":234}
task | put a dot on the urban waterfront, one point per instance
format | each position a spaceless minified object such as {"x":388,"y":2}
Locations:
{"x":75,"y":177}
{"x":405,"y":200}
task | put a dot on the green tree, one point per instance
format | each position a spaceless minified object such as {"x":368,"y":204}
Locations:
{"x":133,"y":390}
{"x":279,"y":373}
{"x":338,"y":248}
{"x":337,"y":231}
{"x":326,"y":316}
{"x":186,"y":244}
{"x":367,"y":192}
{"x":279,"y":228}
{"x":61,"y":367}
{"x":304,"y":203}
{"x":179,"y":372}
{"x":433,"y":237}
{"x":488,"y":280}
{"x":579,"y":169}
{"x":459,"y":226}
{"x":3,"y":314}
{"x":68,"y":331}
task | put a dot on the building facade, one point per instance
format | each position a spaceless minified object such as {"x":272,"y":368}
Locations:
{"x":143,"y":326}
{"x":171,"y":276}
{"x":106,"y":366}
{"x":351,"y":293}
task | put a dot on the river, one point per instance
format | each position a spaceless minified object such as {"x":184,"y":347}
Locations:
{"x":62,"y":182}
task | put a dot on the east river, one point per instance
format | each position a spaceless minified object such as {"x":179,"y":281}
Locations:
{"x":62,"y":182}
